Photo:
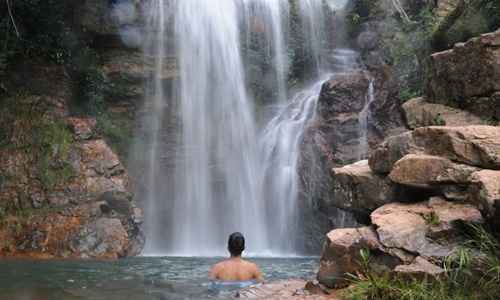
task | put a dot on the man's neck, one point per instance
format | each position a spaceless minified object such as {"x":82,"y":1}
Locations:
{"x":233,"y":257}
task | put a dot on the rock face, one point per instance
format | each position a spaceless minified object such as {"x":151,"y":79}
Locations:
{"x":404,"y":238}
{"x":468,"y":76}
{"x":69,"y":195}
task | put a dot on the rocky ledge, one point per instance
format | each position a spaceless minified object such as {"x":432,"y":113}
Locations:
{"x":418,"y":188}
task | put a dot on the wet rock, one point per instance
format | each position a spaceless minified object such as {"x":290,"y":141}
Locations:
{"x":104,"y":238}
{"x":357,"y":188}
{"x":426,"y":171}
{"x":120,"y":202}
{"x":485,"y":192}
{"x":422,"y":228}
{"x":469,"y":71}
{"x":420,"y":113}
{"x":341,"y":255}
{"x":345,"y":93}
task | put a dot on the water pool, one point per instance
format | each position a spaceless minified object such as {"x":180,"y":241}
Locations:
{"x":135,"y":278}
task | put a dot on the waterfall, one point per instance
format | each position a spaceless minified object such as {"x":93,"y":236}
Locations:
{"x":363,"y":119}
{"x":280,"y":143}
{"x":210,"y":169}
{"x":280,"y":146}
{"x":155,"y":50}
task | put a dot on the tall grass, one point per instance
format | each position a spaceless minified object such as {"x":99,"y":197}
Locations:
{"x":472,"y":272}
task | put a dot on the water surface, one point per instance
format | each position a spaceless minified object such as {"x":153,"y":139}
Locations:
{"x":135,"y":278}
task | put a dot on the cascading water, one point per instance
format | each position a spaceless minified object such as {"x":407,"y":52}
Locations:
{"x":217,"y":172}
{"x":313,"y":20}
{"x":270,"y":18}
{"x":364,"y":118}
{"x":280,"y":143}
{"x":154,"y":50}
{"x":224,"y":175}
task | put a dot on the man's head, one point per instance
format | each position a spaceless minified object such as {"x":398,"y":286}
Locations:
{"x":236,"y":244}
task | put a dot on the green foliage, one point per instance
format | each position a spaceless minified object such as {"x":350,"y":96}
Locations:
{"x":491,"y":9}
{"x":472,"y":272}
{"x":406,"y":94}
{"x":117,"y":131}
{"x":54,"y":142}
{"x":408,"y":49}
{"x":89,"y":85}
{"x":46,"y":30}
{"x":432,"y":219}
{"x":361,"y":11}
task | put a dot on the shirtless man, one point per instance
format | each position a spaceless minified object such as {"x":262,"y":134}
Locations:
{"x":235,"y":268}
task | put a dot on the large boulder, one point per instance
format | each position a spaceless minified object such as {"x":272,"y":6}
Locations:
{"x":428,"y":229}
{"x":468,"y":72}
{"x":420,"y":113}
{"x":427,"y":171}
{"x":357,"y":188}
{"x":341,"y":255}
{"x":343,"y":93}
{"x":102,"y":238}
{"x":473,"y":145}
{"x":484,"y":191}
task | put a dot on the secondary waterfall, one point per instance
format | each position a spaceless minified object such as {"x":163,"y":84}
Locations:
{"x":364,"y":118}
{"x":222,"y":171}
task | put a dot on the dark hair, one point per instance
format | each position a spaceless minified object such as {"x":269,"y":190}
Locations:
{"x":236,"y":244}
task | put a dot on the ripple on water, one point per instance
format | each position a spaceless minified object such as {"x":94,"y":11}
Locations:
{"x":143,"y":278}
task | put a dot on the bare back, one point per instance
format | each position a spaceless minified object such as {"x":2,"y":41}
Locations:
{"x":236,"y":269}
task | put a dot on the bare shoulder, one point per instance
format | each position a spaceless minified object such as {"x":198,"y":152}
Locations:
{"x":220,"y":265}
{"x":252,"y":266}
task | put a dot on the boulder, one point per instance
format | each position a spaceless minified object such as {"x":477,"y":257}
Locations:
{"x":341,"y":255}
{"x":104,"y":238}
{"x":427,"y":171}
{"x":485,"y":192}
{"x":344,"y":93}
{"x":391,"y":150}
{"x":469,"y":71}
{"x":420,"y":268}
{"x":427,"y":228}
{"x":473,"y":145}
{"x":420,"y":113}
{"x":357,"y":188}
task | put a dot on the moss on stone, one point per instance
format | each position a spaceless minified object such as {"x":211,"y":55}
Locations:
{"x":55,"y":142}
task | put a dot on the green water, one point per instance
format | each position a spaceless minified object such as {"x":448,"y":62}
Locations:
{"x":137,"y":278}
